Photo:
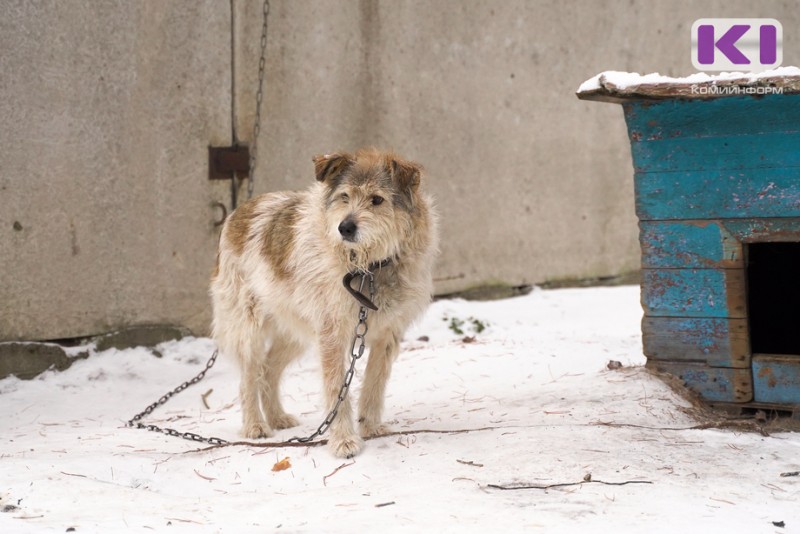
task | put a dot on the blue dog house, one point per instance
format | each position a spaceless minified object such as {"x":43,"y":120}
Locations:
{"x":717,"y":188}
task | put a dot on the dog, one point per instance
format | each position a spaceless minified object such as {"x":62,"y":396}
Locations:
{"x":277,"y":287}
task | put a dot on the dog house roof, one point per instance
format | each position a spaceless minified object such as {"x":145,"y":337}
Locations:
{"x":619,"y":87}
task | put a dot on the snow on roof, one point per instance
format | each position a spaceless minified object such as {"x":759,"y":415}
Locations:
{"x":615,"y":86}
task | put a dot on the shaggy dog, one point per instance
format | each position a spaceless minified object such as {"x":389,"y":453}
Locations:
{"x":277,"y":287}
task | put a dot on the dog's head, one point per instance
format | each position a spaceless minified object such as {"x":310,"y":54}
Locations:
{"x":372,"y":203}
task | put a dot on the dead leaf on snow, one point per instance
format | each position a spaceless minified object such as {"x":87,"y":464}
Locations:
{"x":282,"y":465}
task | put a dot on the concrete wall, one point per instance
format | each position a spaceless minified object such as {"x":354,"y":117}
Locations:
{"x":108,"y":108}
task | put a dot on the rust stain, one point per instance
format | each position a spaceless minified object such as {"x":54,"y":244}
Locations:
{"x":766,"y":372}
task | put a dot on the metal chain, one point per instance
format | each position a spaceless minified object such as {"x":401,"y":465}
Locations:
{"x":262,"y":61}
{"x":356,"y":352}
{"x":136,"y":420}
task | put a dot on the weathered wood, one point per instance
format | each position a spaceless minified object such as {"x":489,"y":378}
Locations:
{"x":749,"y":408}
{"x":608,"y":91}
{"x":709,"y":243}
{"x":764,"y":230}
{"x":732,"y":152}
{"x":694,"y":293}
{"x":687,"y":244}
{"x":716,"y":342}
{"x":767,"y":193}
{"x":727,"y":116}
{"x":714,"y":384}
{"x":713,"y":176}
{"x":776,"y":378}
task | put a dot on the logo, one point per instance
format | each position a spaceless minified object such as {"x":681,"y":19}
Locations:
{"x":737,"y":44}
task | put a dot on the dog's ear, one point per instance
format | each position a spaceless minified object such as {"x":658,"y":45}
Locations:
{"x":329,"y":166}
{"x":405,"y":174}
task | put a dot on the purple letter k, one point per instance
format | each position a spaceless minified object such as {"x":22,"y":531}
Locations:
{"x":726,"y":44}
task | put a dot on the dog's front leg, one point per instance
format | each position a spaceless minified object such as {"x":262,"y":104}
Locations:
{"x":344,"y":442}
{"x":382,"y":353}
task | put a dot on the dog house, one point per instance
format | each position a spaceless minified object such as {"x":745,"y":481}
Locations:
{"x":717,"y":188}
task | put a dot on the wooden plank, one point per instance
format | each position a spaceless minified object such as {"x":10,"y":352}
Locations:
{"x":694,"y":293}
{"x":684,"y":244}
{"x":789,"y":411}
{"x":709,"y":243}
{"x":716,"y":342}
{"x":733,"y":152}
{"x":728,"y":116}
{"x":645,"y":92}
{"x":764,"y":230}
{"x":747,"y":194}
{"x":713,"y":384}
{"x":776,"y":378}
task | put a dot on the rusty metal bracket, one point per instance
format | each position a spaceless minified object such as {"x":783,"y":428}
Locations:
{"x":229,"y":163}
{"x":225,"y":161}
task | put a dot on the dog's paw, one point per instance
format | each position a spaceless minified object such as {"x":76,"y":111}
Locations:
{"x":283,"y":420}
{"x":256,"y":430}
{"x":346,"y":447}
{"x":370,"y":430}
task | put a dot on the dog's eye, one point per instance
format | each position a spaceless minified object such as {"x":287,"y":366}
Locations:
{"x":345,"y":197}
{"x":377,"y":201}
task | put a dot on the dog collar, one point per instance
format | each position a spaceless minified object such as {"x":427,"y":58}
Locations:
{"x":380,"y":264}
{"x":357,"y":294}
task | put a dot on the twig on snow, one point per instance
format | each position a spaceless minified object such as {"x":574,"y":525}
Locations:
{"x":281,"y":444}
{"x":587,"y":480}
{"x":73,"y":474}
{"x":326,"y":477}
{"x":722,"y":500}
{"x":183,"y":520}
{"x":728,"y":423}
{"x":204,"y":396}
{"x":204,"y":477}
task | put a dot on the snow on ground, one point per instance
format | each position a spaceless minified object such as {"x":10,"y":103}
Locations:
{"x":533,"y":387}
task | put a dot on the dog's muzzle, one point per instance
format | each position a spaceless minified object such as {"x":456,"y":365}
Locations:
{"x":348,"y":230}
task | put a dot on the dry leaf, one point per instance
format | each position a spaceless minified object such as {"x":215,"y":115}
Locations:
{"x":283,"y":465}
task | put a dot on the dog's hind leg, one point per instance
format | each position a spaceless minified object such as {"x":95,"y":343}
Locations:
{"x":251,"y":354}
{"x":240,"y":334}
{"x":344,"y":442}
{"x":383,"y":352}
{"x":282,"y":351}
{"x":239,"y":338}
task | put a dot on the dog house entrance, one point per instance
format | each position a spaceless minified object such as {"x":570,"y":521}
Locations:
{"x":773,"y":297}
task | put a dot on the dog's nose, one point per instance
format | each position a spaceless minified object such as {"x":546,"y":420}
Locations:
{"x":348,"y":229}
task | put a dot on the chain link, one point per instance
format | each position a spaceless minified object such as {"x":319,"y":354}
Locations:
{"x":136,"y":420}
{"x":357,"y":349}
{"x":262,"y":61}
{"x":356,"y":352}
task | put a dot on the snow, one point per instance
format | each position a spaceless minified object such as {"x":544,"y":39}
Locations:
{"x":625,"y":80}
{"x":531,"y":391}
